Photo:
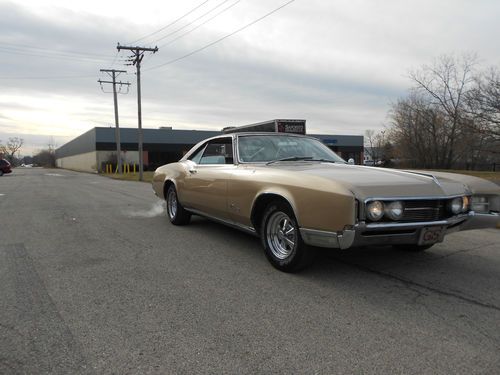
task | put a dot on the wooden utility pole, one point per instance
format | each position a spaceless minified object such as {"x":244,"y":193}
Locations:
{"x":137,"y":56}
{"x":114,"y":73}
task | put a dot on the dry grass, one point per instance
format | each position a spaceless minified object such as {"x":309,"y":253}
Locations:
{"x":147,"y":176}
{"x":488,"y":175}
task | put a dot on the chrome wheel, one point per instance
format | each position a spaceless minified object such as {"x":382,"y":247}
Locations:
{"x":281,"y":235}
{"x":172,"y":203}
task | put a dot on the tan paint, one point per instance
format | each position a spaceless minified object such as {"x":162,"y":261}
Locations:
{"x":321,"y":194}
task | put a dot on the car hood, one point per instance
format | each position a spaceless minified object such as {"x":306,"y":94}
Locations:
{"x":367,"y":182}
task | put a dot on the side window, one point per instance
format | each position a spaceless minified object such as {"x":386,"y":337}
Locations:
{"x":218,"y":151}
{"x":197,"y":155}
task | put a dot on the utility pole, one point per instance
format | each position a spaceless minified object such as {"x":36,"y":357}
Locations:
{"x":137,"y":56}
{"x":114,"y":73}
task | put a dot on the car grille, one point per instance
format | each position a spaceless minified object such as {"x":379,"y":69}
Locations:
{"x":424,"y":210}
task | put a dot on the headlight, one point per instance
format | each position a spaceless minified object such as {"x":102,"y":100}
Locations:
{"x":479,"y":204}
{"x":456,"y":205}
{"x":394,"y":210}
{"x":375,"y":210}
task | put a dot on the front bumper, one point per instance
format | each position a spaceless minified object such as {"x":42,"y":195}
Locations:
{"x":363,"y":234}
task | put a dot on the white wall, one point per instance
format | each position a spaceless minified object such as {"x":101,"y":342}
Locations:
{"x":92,"y":161}
{"x":83,"y":162}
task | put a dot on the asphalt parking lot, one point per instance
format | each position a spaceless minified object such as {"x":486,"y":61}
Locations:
{"x":93,"y":279}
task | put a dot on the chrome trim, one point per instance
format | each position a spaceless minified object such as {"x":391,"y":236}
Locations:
{"x":393,"y":225}
{"x":434,"y":178}
{"x":340,"y":240}
{"x":410,"y":198}
{"x":244,"y":228}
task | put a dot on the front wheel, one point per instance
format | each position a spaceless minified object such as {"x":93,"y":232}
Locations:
{"x":281,"y":239}
{"x":176,"y":213}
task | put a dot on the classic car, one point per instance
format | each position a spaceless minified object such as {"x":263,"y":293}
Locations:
{"x":296,"y":194}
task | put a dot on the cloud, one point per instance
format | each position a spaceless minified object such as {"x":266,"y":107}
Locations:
{"x":338,"y":64}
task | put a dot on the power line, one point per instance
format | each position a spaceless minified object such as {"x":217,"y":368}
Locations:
{"x":49,"y":77}
{"x":220,"y":39}
{"x":198,"y":26}
{"x":171,"y":23}
{"x":138,"y":55}
{"x":42,"y":49}
{"x":193,"y":21}
{"x":10,"y":50}
{"x":113,"y":73}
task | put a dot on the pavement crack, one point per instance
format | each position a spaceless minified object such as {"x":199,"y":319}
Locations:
{"x":458,"y":252}
{"x":408,"y":283}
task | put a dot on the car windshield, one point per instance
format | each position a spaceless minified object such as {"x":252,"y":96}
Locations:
{"x":279,"y":147}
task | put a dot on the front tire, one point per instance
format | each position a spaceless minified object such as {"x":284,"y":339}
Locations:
{"x":175,"y":212}
{"x":281,"y":239}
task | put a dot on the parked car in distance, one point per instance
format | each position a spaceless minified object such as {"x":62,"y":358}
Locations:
{"x":296,"y":194}
{"x":4,"y":167}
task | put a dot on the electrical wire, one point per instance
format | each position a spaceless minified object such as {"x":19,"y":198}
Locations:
{"x":190,"y":23}
{"x":171,"y":23}
{"x":220,"y":39}
{"x":23,"y":47}
{"x":50,"y":77}
{"x":9,"y":50}
{"x":198,"y":26}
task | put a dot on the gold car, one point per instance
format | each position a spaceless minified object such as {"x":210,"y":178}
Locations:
{"x":293,"y":191}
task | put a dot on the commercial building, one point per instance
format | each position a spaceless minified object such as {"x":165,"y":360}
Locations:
{"x":94,"y":149}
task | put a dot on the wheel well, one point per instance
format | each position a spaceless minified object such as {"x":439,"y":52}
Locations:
{"x":260,"y":206}
{"x":165,"y":188}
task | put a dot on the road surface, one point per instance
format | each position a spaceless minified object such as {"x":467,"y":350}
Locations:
{"x":94,"y":280}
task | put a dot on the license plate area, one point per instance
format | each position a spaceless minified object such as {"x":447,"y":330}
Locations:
{"x":431,"y":235}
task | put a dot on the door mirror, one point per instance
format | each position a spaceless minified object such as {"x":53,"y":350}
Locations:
{"x":350,"y":161}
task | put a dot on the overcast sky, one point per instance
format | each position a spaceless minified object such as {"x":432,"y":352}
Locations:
{"x":337,"y":64}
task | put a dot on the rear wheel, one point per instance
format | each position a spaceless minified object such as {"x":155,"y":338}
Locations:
{"x":281,"y":239}
{"x":176,"y":213}
{"x":412,"y":248}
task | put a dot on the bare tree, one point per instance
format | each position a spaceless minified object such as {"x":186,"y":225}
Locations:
{"x":3,"y":150}
{"x":443,"y":86}
{"x":13,"y":145}
{"x":484,"y":102}
{"x":378,"y":146}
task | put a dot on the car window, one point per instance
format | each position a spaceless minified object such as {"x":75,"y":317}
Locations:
{"x":196,"y":156}
{"x":265,"y":148}
{"x":218,"y":151}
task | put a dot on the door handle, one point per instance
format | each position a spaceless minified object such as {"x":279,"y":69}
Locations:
{"x":193,"y":171}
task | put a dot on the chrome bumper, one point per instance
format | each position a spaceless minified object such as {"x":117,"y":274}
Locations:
{"x":363,"y":234}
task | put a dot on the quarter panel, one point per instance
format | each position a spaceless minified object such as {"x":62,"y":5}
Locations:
{"x":318,"y":203}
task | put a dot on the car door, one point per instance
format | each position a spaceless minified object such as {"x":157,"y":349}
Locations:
{"x":205,"y":186}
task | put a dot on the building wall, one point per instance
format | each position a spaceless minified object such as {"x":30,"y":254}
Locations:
{"x":106,"y":157}
{"x":86,"y":162}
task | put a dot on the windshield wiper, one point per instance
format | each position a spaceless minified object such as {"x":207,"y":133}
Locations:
{"x":323,"y":160}
{"x":290,"y":158}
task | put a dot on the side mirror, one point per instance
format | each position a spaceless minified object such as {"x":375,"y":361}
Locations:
{"x":350,"y":161}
